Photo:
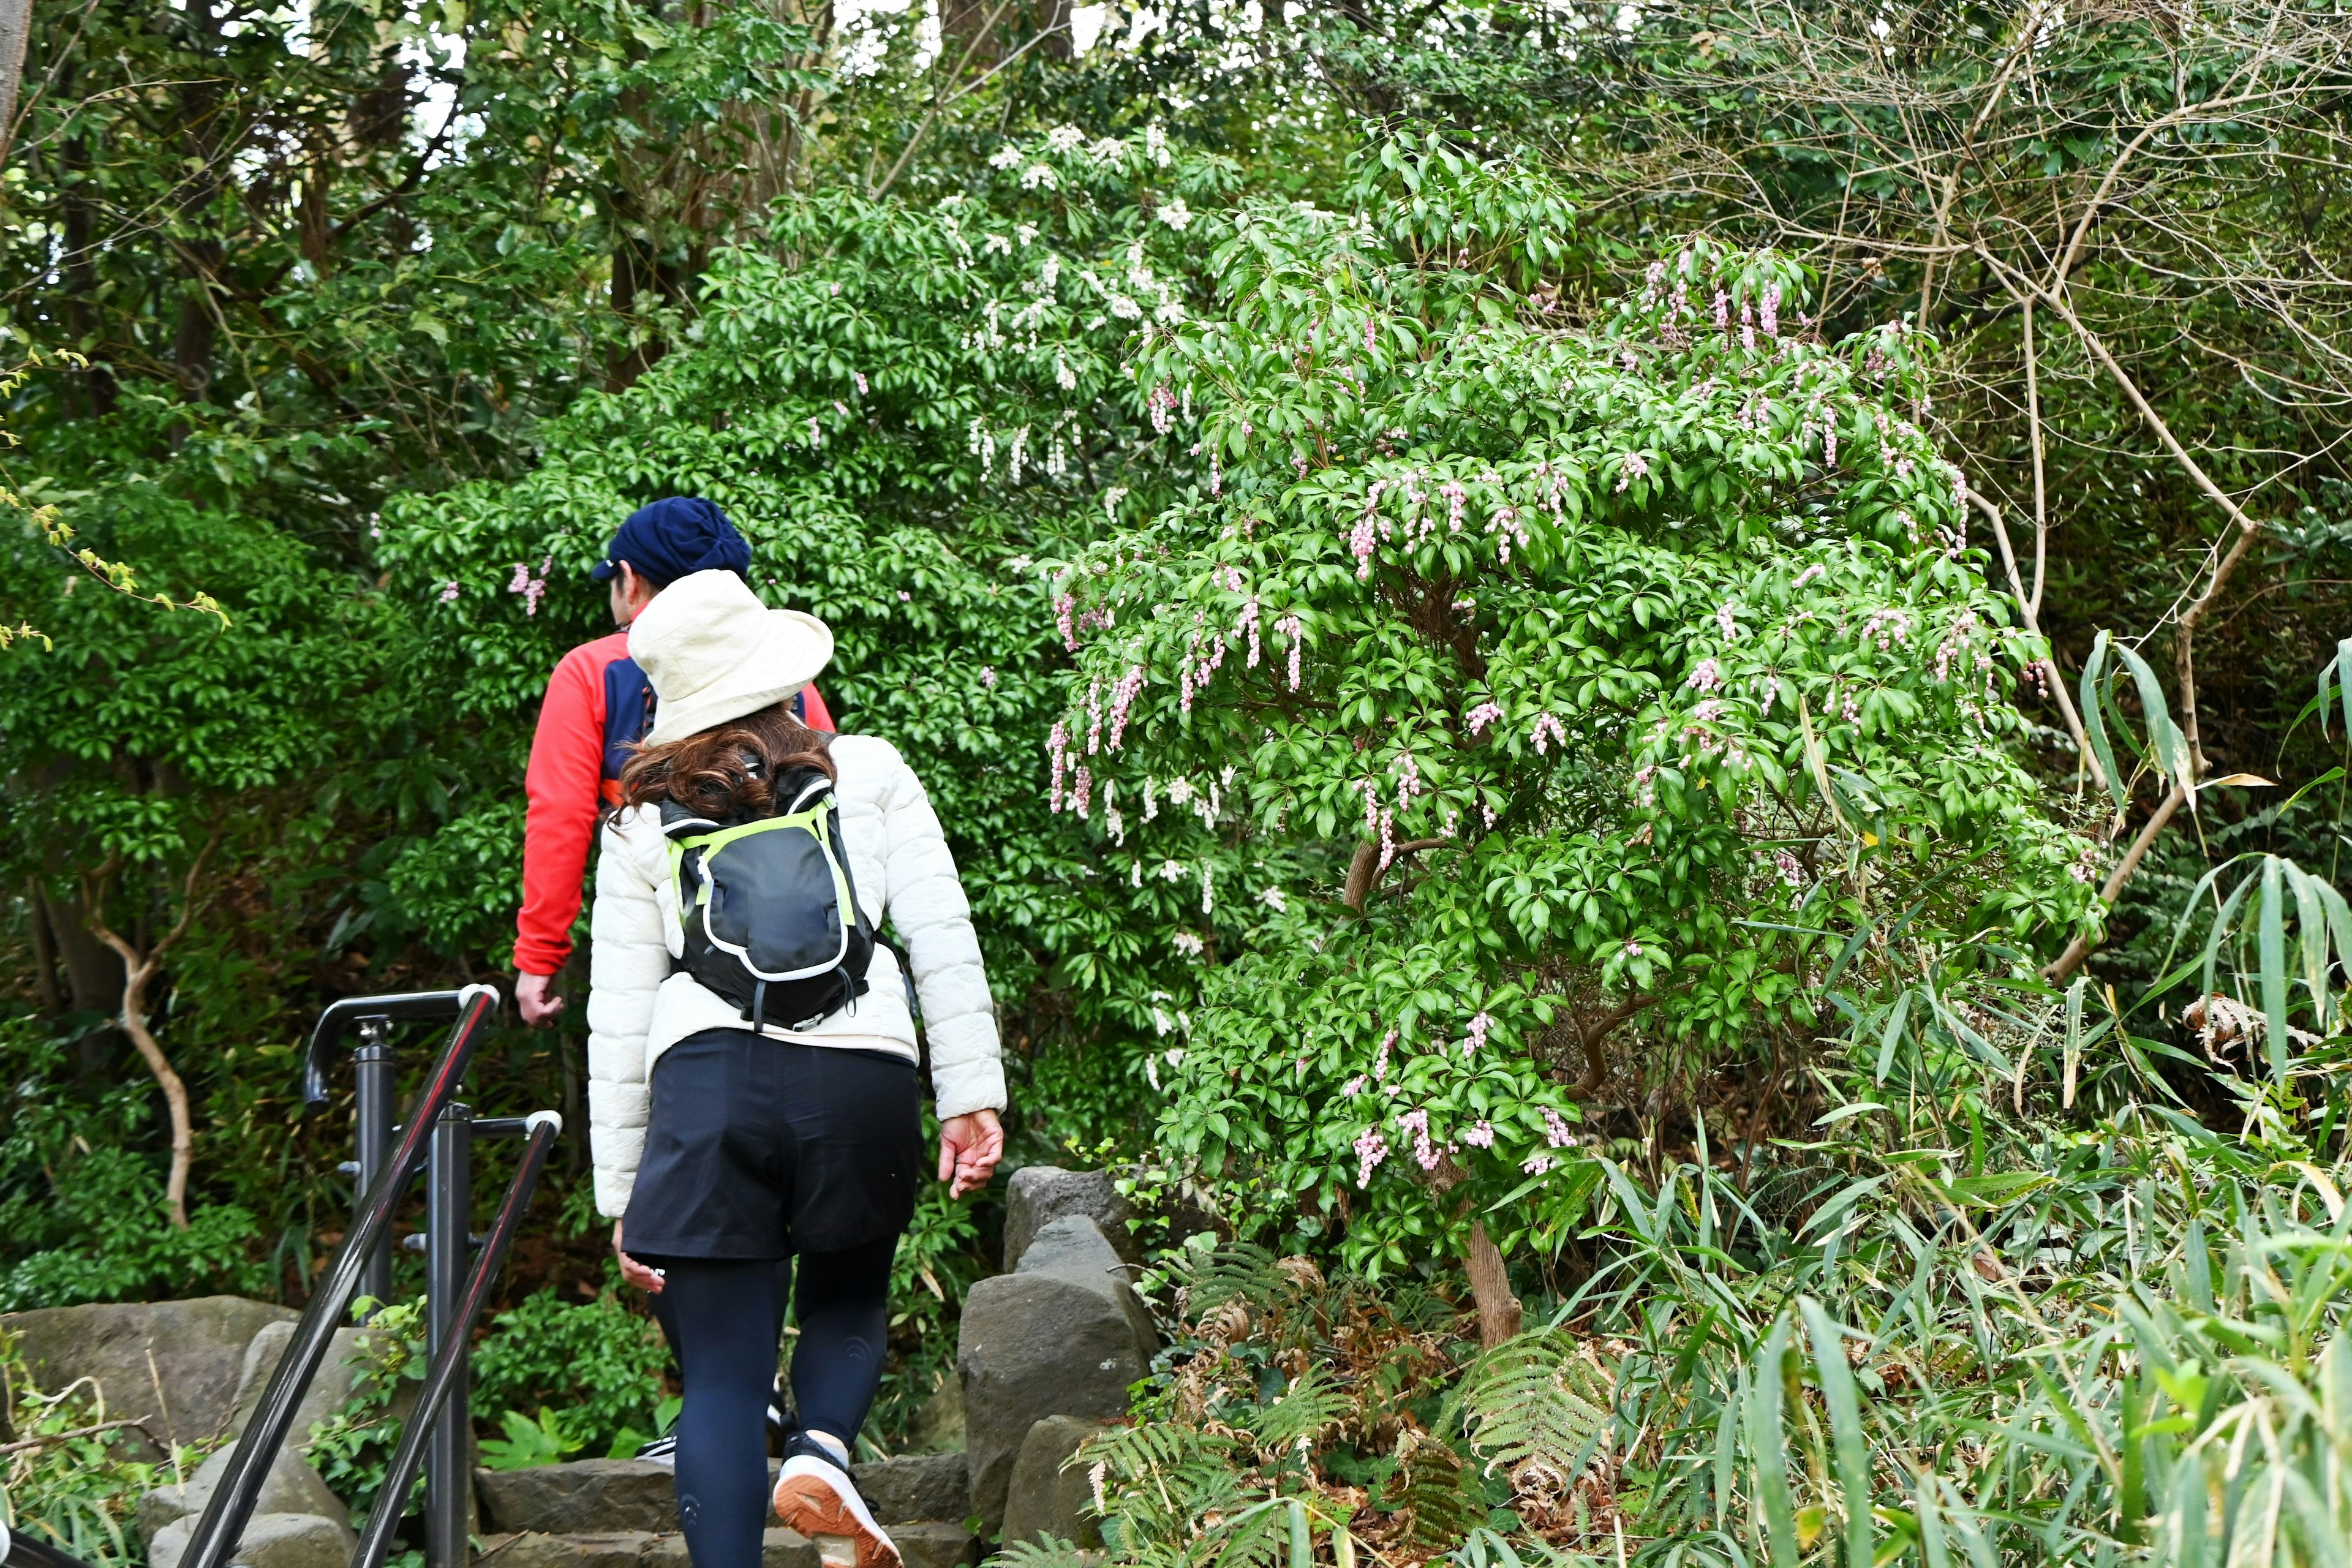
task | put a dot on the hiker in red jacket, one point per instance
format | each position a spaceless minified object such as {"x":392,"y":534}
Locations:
{"x":599,"y":706}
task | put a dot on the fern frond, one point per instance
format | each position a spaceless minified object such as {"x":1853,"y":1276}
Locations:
{"x":1312,"y":1404}
{"x":1537,"y":1410}
{"x":1236,"y":1271}
{"x":1047,"y":1552}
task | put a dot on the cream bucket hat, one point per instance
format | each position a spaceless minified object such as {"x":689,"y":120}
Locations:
{"x":713,"y":652}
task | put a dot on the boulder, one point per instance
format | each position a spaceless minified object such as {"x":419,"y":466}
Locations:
{"x":1064,"y":1335}
{"x":938,"y":1544}
{"x":1044,"y":1499}
{"x":536,"y":1549}
{"x":915,"y":1487}
{"x":271,"y":1540}
{"x":1038,"y":1195}
{"x":939,"y":1424}
{"x":585,"y":1496}
{"x":330,"y":1391}
{"x":291,"y":1486}
{"x":1074,"y":1247}
{"x":779,"y":1548}
{"x":186,"y":1395}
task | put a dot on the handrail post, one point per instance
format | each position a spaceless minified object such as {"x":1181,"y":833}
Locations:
{"x":222,"y":1523}
{"x":374,"y":1087}
{"x":541,"y":1130}
{"x":449,"y":1238}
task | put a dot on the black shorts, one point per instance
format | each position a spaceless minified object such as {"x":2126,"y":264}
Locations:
{"x":762,"y":1148}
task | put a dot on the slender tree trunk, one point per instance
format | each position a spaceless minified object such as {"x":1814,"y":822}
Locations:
{"x":16,"y":27}
{"x":1490,"y":1286}
{"x":175,"y":1091}
{"x":139,"y":968}
{"x":46,"y":994}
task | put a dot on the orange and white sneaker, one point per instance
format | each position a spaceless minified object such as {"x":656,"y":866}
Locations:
{"x":815,"y":1497}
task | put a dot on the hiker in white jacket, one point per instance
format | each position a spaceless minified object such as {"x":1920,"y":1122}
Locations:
{"x":725,"y":1143}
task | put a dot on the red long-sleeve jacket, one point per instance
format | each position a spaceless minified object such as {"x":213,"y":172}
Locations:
{"x":599,"y":705}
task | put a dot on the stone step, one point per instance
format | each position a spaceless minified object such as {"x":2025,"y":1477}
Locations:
{"x":931,"y":1543}
{"x":611,"y":1497}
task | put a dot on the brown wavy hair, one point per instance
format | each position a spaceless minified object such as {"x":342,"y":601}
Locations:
{"x":729,"y":769}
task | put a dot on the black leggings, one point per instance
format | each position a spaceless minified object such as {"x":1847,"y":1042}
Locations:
{"x":727,"y":1317}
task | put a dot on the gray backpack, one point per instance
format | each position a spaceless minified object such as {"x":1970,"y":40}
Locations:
{"x":770,"y":914}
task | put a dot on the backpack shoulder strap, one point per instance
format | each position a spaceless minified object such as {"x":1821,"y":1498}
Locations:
{"x":677,"y":822}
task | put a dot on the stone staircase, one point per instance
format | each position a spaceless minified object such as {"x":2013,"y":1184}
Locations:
{"x":1045,"y":1355}
{"x":623,"y":1513}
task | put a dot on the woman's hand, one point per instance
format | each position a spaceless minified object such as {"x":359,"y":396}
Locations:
{"x":970,"y":1146}
{"x":646,"y":1279}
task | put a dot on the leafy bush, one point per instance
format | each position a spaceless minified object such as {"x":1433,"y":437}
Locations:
{"x":67,"y":1481}
{"x":82,"y":1218}
{"x":1646,"y":656}
{"x":351,"y":1450}
{"x":591,"y":1370}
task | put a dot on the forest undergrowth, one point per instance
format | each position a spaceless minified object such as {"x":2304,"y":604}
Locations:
{"x":1652,"y":709}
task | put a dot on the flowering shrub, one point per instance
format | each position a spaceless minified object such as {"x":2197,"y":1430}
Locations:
{"x":904,"y":406}
{"x":1619,"y":669}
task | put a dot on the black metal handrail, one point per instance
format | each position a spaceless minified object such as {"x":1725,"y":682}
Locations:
{"x":18,"y":1550}
{"x":449,"y":1359}
{"x":353,"y":1011}
{"x":231,"y":1506}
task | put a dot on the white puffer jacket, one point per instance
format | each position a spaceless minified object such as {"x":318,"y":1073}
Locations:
{"x":905,"y":876}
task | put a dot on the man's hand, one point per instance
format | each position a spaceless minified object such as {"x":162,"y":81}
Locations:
{"x":970,"y":1146}
{"x":533,"y":999}
{"x":636,"y":1273}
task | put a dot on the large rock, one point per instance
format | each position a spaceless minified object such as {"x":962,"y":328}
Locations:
{"x":1062,"y":1336}
{"x":935,"y":1545}
{"x":1039,"y":1194}
{"x":779,"y":1548}
{"x":291,"y":1486}
{"x":585,"y":1497}
{"x":185,"y":1394}
{"x":1074,"y":1247}
{"x":611,"y":1548}
{"x":1044,"y":1499}
{"x":939,"y":1424}
{"x":915,"y":1487}
{"x":271,"y":1540}
{"x":329,"y":1391}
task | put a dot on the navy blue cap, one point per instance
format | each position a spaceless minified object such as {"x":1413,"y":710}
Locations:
{"x":676,"y":538}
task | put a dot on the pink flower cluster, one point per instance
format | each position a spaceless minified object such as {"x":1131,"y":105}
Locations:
{"x":1556,"y":1132}
{"x":1481,"y":1135}
{"x":1636,"y":466}
{"x":1291,"y":628}
{"x":532,"y":588}
{"x":1546,"y":725}
{"x":1706,"y":676}
{"x":1476,"y":1036}
{"x":1065,"y":604}
{"x":1478,"y":718}
{"x":1122,"y":698}
{"x":1417,"y":1123}
{"x":1370,"y":1150}
{"x":1361,"y":540}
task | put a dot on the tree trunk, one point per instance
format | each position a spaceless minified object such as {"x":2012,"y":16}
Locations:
{"x":46,"y":994}
{"x":1490,"y":1287}
{"x":175,"y":1091}
{"x":139,"y":968}
{"x":93,"y":974}
{"x":16,"y":27}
